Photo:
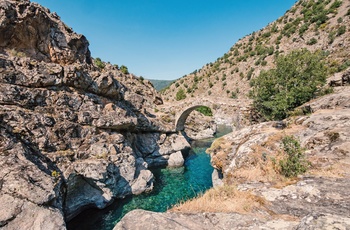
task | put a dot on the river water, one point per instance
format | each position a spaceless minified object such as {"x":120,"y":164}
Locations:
{"x":171,"y":186}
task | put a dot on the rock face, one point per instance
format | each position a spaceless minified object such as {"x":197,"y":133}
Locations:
{"x":34,"y":31}
{"x":73,"y":135}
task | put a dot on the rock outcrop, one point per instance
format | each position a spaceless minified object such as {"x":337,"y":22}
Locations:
{"x":31,"y":30}
{"x":68,"y":127}
{"x":140,"y":219}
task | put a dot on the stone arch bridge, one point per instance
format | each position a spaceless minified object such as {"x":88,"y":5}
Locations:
{"x":184,"y":111}
{"x":226,"y":110}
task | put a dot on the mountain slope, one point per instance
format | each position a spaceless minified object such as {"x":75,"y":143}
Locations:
{"x":314,"y":25}
{"x":160,"y":84}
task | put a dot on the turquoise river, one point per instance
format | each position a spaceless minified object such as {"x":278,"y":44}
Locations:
{"x":171,"y":186}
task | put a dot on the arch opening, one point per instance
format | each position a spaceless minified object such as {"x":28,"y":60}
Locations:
{"x":181,"y":120}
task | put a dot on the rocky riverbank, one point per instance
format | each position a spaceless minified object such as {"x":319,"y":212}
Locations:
{"x":252,"y":192}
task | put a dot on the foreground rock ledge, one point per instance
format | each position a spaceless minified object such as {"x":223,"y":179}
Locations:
{"x":140,"y":219}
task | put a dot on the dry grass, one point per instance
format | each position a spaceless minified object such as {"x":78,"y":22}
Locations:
{"x":222,"y":199}
{"x":217,"y":145}
{"x":262,"y":164}
{"x":337,"y":170}
{"x":219,"y":150}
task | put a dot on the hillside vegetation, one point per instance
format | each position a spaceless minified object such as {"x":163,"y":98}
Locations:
{"x":309,"y":24}
{"x":160,"y":84}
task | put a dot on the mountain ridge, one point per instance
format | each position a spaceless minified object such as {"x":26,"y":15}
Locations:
{"x":322,"y":25}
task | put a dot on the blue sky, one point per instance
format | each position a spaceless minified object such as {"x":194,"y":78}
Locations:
{"x":165,"y":39}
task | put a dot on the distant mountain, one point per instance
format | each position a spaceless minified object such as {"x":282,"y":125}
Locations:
{"x":161,"y":84}
{"x":314,"y":25}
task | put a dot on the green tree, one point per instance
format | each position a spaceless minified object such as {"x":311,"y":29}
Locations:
{"x":295,"y":162}
{"x":99,"y":63}
{"x":206,"y":111}
{"x":180,"y":95}
{"x":297,"y":79}
{"x":341,"y":30}
{"x":124,"y":69}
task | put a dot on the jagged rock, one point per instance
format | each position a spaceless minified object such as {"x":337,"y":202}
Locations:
{"x":161,"y":149}
{"x":32,"y":216}
{"x":144,"y":182}
{"x":35,"y":32}
{"x":66,"y":125}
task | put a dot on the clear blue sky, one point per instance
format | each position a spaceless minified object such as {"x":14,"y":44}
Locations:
{"x":165,"y":39}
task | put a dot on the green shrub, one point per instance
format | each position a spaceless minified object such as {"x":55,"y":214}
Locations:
{"x":312,"y":41}
{"x":335,"y":5}
{"x":233,"y":95}
{"x":180,"y":95}
{"x":303,"y":28}
{"x":296,"y":80}
{"x":250,"y":73}
{"x":295,"y":162}
{"x":124,"y":69}
{"x":331,"y":37}
{"x":341,"y":30}
{"x":206,"y":111}
{"x":99,"y":63}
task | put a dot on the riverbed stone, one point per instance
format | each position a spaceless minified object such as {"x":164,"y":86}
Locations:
{"x":176,"y":159}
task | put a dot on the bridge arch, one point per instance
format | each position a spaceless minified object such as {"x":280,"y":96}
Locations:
{"x":181,"y":118}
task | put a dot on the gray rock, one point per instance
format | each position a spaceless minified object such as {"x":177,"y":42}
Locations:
{"x":66,"y":125}
{"x":216,"y":177}
{"x":36,"y":217}
{"x":176,"y":159}
{"x":140,"y":219}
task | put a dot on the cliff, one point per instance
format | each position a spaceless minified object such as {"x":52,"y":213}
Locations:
{"x":74,"y":134}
